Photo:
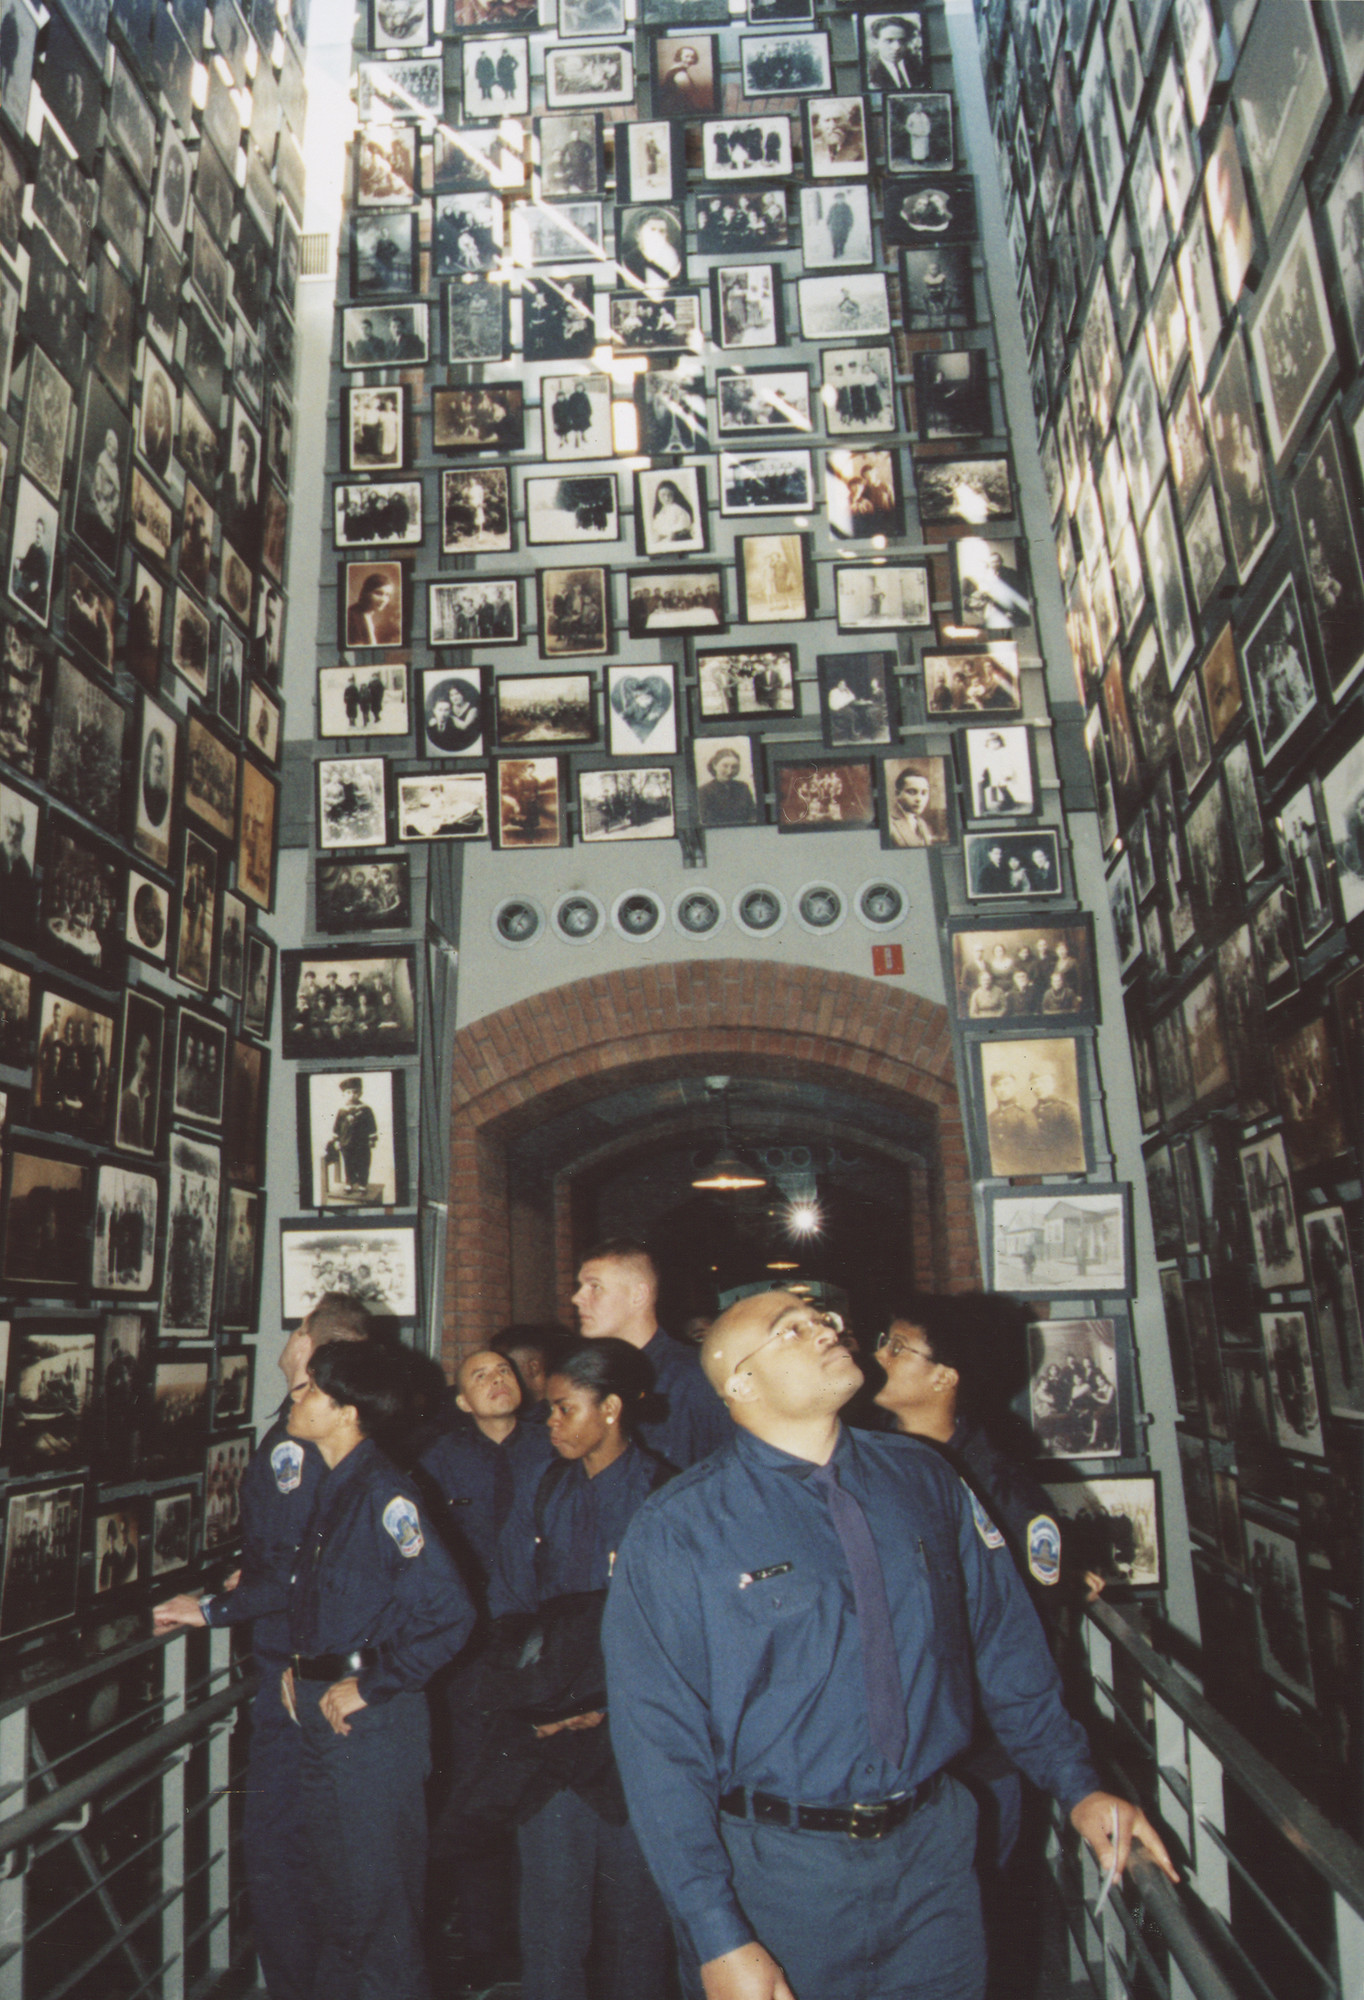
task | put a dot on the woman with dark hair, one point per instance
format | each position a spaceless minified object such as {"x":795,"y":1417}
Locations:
{"x":555,"y":1557}
{"x":377,"y":1607}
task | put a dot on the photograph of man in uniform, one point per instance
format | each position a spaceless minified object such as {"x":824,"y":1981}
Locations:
{"x":355,"y":1132}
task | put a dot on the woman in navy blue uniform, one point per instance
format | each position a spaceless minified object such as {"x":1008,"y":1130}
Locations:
{"x":560,"y":1543}
{"x":377,"y":1606}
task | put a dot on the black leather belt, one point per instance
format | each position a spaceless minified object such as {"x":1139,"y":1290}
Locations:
{"x":859,"y":1822}
{"x":334,"y":1666}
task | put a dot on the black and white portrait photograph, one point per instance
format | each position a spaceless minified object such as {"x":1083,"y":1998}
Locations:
{"x":125,"y":1231}
{"x":937,"y":286}
{"x":259,"y":994}
{"x":577,"y":415}
{"x":728,"y":792}
{"x":1074,"y":1397}
{"x":210,"y":789}
{"x":363,"y":701}
{"x":1280,"y":92}
{"x":952,"y":393}
{"x":377,"y":513}
{"x":836,"y":138}
{"x":917,"y":799}
{"x":1278,"y":672}
{"x":47,"y":414}
{"x":200,"y":1068}
{"x":649,"y":166}
{"x":351,"y":802}
{"x":467,"y":233}
{"x":919,"y":132}
{"x":72,"y":1066}
{"x":21,"y":687}
{"x":48,"y":1197}
{"x":451,"y":705}
{"x":1323,"y":513}
{"x":748,"y":222}
{"x":482,"y":419}
{"x":746,"y":149}
{"x":570,"y":155}
{"x":552,"y":709}
{"x":476,"y":318}
{"x":641,"y":707}
{"x":1345,"y":213}
{"x":1273,"y":1215}
{"x":934,"y":208}
{"x":597,"y":73}
{"x":226,"y":1458}
{"x":670,"y":400}
{"x":1113,"y":1524}
{"x":198,"y":910}
{"x":1011,"y":866}
{"x":383,"y":253}
{"x":1342,"y":789}
{"x":486,"y":612}
{"x":1027,"y":974}
{"x":998,"y":770}
{"x":147,"y":918}
{"x":191,"y":1237}
{"x":16,"y":1015}
{"x":1034,"y":1113}
{"x":530,"y":802}
{"x":749,"y":681}
{"x":82,"y":906}
{"x":850,"y":306}
{"x":399,"y":24}
{"x":141,"y":1040}
{"x":32,"y":551}
{"x":686,"y":71}
{"x":857,"y":698}
{"x":1273,"y":1562}
{"x":881,"y":597}
{"x":385,"y":167}
{"x":363,"y":895}
{"x":241,"y":1255}
{"x":85,"y":746}
{"x":634,"y":804}
{"x":835,"y":227}
{"x":352,"y":1139}
{"x":747,"y":305}
{"x":191,"y":638}
{"x":1160,"y":539}
{"x":376,"y":1264}
{"x":574,"y":611}
{"x":452,"y":806}
{"x":1238,"y":461}
{"x":146,"y":615}
{"x":581,"y":507}
{"x":385,"y":337}
{"x":766,"y":482}
{"x":858,"y":391}
{"x":670,"y":512}
{"x":970,"y":491}
{"x":862,"y":494}
{"x":475,"y":511}
{"x":972,"y":683}
{"x":557,"y":318}
{"x":496,"y":77}
{"x":790,"y":64}
{"x":1290,"y":335}
{"x":348,"y":1003}
{"x":117,"y":1545}
{"x":824,"y":794}
{"x":42,"y":1550}
{"x":670,"y":325}
{"x":895,"y":52}
{"x":373,"y":601}
{"x":775,"y":580}
{"x":374,"y":429}
{"x":173,"y":1515}
{"x":413,"y":89}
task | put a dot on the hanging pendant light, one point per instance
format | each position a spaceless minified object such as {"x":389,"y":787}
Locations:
{"x":728,"y":1168}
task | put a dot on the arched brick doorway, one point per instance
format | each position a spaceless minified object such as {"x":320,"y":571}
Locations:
{"x":540,"y":1058}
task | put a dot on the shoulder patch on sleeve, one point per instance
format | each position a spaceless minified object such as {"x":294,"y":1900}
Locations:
{"x":985,"y":1527}
{"x":286,"y":1462}
{"x":1044,"y":1549}
{"x":400,"y":1519}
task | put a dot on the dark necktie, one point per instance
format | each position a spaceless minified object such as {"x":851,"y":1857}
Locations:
{"x":504,"y":1490}
{"x":880,"y":1667}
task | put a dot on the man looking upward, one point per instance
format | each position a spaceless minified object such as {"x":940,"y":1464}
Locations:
{"x":618,"y":1295}
{"x":795,"y":1637}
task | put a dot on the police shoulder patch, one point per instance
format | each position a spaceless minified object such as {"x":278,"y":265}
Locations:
{"x":1044,"y":1549}
{"x":985,"y":1527}
{"x":286,"y":1462}
{"x":400,"y":1519}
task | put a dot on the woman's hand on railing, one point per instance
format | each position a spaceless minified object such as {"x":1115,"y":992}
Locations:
{"x":1095,"y":1818}
{"x":182,"y":1610}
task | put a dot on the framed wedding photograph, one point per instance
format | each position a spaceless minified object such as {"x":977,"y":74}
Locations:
{"x":775,"y":579}
{"x":534,"y":709}
{"x":632,"y":804}
{"x":824,"y":794}
{"x":919,"y":803}
{"x":674,"y":600}
{"x":352,"y":1139}
{"x":374,"y":1261}
{"x":574,"y":607}
{"x":465,"y":612}
{"x":746,"y":682}
{"x":531,"y":802}
{"x":451,"y":806}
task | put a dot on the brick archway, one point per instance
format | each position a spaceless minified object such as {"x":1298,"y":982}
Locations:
{"x":539,"y":1058}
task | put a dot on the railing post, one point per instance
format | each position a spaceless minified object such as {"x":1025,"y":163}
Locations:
{"x":13,"y":1777}
{"x":173,"y":1823}
{"x":1209,"y":1805}
{"x":220,"y":1812}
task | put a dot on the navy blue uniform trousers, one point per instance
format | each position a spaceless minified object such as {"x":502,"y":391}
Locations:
{"x":365,"y":1809}
{"x":575,"y":1866}
{"x":275,"y":1844}
{"x":892,"y":1919}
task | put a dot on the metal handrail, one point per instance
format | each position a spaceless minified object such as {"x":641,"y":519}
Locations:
{"x":1186,"y":1947}
{"x":22,"y":1828}
{"x":1336,"y":1858}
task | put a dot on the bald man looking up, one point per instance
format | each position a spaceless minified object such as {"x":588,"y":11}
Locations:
{"x":481,"y":1467}
{"x":618,"y":1295}
{"x":795,"y":1634}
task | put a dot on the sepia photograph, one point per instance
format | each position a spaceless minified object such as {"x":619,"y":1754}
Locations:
{"x":552,"y":709}
{"x":385,"y":337}
{"x":374,"y":429}
{"x":125,"y":1230}
{"x":1278,"y":672}
{"x":256,"y":838}
{"x":42,"y":1557}
{"x":32,"y":550}
{"x":453,"y":807}
{"x":117,"y":1546}
{"x":530,"y":802}
{"x":824,"y":794}
{"x":1061,"y":1241}
{"x":682,"y":600}
{"x":918,"y":801}
{"x":172,"y":1517}
{"x":82,"y":907}
{"x":85,"y":747}
{"x":374,"y":894}
{"x":751,"y":681}
{"x":138,"y":1099}
{"x":728,"y":790}
{"x":351,"y":802}
{"x":373,"y":605}
{"x":836,"y":138}
{"x":376,"y":1265}
{"x":635,"y":804}
{"x":1034,"y":1107}
{"x":1112,"y":1523}
{"x":352,"y":1132}
{"x":191,"y":1237}
{"x":649,"y":163}
{"x":1323,"y":513}
{"x":775,"y":579}
{"x":857,"y":698}
{"x":225,"y":1462}
{"x":476,"y":515}
{"x":47,"y":1217}
{"x":72,"y":1066}
{"x":574,"y":612}
{"x":1074,"y":1400}
{"x":451,"y":708}
{"x":985,"y":681}
{"x":241,"y":1262}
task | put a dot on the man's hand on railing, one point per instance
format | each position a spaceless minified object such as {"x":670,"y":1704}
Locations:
{"x":1095,"y":1818}
{"x":182,"y":1610}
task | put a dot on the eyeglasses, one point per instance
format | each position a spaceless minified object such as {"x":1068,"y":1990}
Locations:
{"x":892,"y":1345}
{"x":792,"y":1331}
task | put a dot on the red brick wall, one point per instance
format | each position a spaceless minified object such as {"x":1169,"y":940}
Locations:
{"x":576,"y":1042}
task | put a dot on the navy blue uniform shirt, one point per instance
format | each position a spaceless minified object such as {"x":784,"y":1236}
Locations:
{"x":697,"y":1422}
{"x":480,"y":1480}
{"x":733,"y":1655}
{"x":278,"y":1489}
{"x":1015,"y":1501}
{"x":584,"y":1524}
{"x":369,"y":1574}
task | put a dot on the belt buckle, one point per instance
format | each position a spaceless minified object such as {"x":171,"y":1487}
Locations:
{"x":873,"y":1827}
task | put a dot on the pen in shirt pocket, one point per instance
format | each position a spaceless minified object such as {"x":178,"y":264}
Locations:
{"x":748,"y":1576}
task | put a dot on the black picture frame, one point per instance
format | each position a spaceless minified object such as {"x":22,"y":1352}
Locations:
{"x":1027,"y":865}
{"x":775,"y":577}
{"x":1032,"y":1094}
{"x":390,"y":971}
{"x":43,"y":1545}
{"x":690,"y":599}
{"x":1114,"y":1522}
{"x":574,"y":611}
{"x":858,"y":704}
{"x":352,"y":1139}
{"x":817,"y":794}
{"x":1063,"y":944}
{"x":1087,"y":1253}
{"x":49,"y":1196}
{"x":320,"y":1252}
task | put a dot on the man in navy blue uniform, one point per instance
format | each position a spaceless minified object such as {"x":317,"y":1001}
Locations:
{"x":795,"y":1636}
{"x":278,"y":1489}
{"x":375,"y":1609}
{"x":617,"y":1295}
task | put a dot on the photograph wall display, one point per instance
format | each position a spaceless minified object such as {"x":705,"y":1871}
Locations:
{"x":1027,"y":974}
{"x":42,"y":1557}
{"x":352,"y":1132}
{"x":824,"y":794}
{"x":530,"y":802}
{"x":1035,"y":1106}
{"x":452,"y":807}
{"x":1075,"y":1401}
{"x":633,"y":804}
{"x":919,"y":802}
{"x":728,"y":788}
{"x":375,"y":1263}
{"x":1113,"y":1523}
{"x":1290,"y":335}
{"x":746,"y":682}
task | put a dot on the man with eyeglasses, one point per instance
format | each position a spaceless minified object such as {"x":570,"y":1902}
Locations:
{"x":795,"y":1636}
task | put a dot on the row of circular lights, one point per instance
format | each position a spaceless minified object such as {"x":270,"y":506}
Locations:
{"x":639,"y":915}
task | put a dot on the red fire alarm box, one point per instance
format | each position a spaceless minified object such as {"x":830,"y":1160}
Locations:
{"x":887,"y":960}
